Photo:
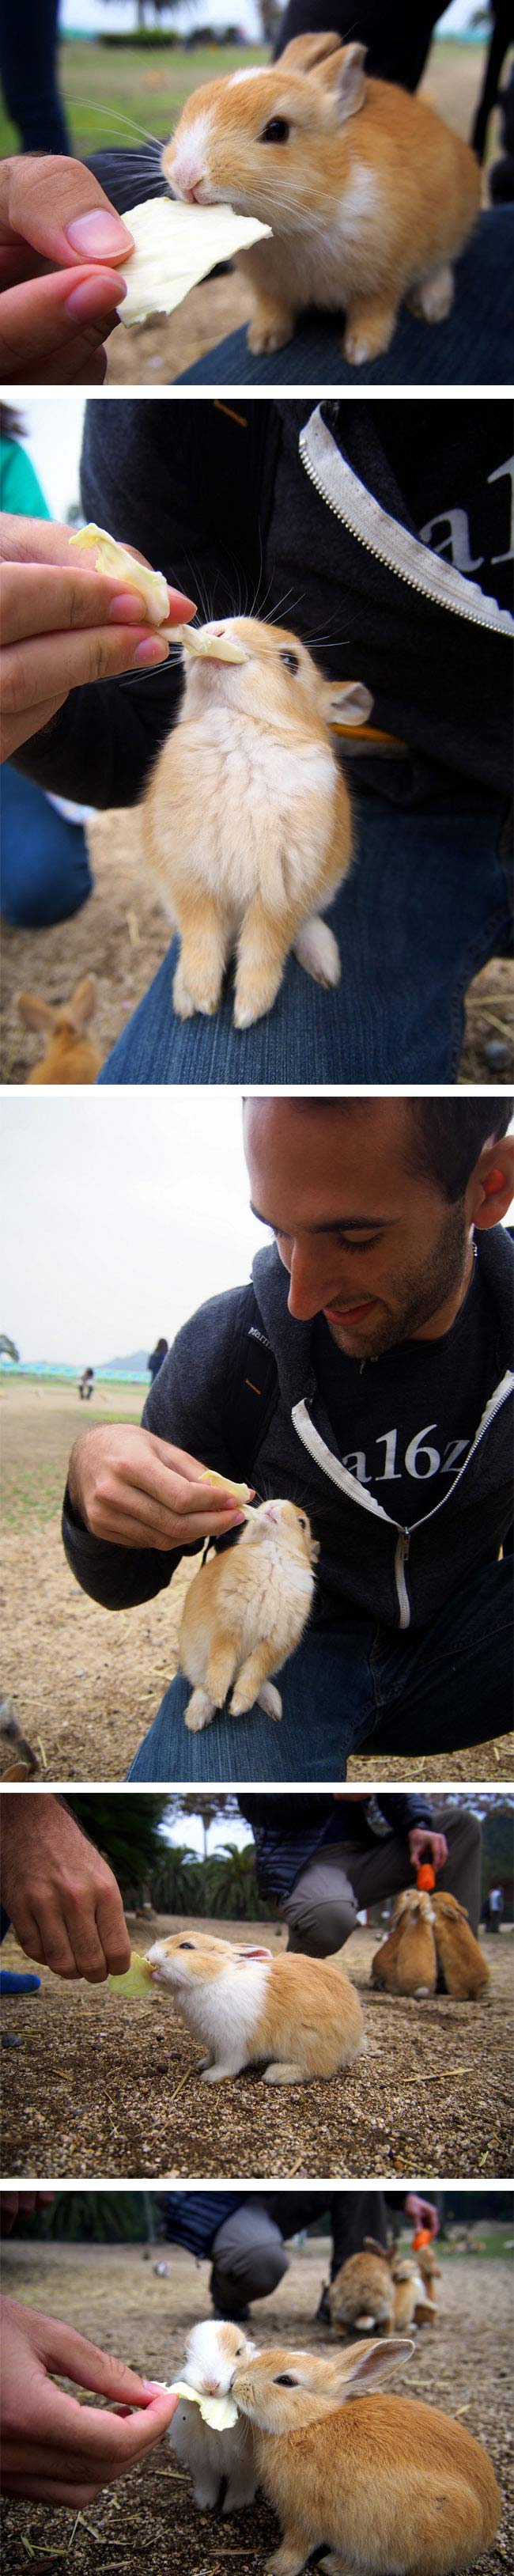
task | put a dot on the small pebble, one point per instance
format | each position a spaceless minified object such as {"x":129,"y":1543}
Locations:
{"x":497,"y":1054}
{"x":9,"y":2040}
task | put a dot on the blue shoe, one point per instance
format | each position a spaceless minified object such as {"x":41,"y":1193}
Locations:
{"x":11,"y":1983}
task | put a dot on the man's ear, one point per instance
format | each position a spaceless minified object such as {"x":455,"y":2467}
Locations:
{"x":349,"y":700}
{"x":366,"y":2363}
{"x":344,"y":75}
{"x":491,"y":1187}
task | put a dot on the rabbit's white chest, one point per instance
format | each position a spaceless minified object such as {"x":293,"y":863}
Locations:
{"x":251,"y":808}
{"x":277,"y":1604}
{"x":225,"y":2013}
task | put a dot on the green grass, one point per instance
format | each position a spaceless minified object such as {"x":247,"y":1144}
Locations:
{"x":100,"y":85}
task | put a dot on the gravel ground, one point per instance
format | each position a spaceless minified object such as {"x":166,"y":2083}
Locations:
{"x":102,"y":2087}
{"x":114,"y":2295}
{"x":121,"y":936}
{"x":86,"y":1685}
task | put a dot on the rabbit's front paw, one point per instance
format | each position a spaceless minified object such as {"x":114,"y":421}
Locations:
{"x":270,"y":330}
{"x":269,"y":1699}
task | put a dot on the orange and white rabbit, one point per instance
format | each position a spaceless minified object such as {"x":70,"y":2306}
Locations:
{"x":465,"y":1971}
{"x":247,"y":819}
{"x":389,"y":2483}
{"x":70,"y":1055}
{"x":300,"y":2016}
{"x":213,"y":2351}
{"x":244,"y":1613}
{"x":406,"y":1963}
{"x":369,"y":195}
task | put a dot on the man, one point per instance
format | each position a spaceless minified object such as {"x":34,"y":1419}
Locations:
{"x":326,"y":1859}
{"x":388,"y":545}
{"x":369,"y":1374}
{"x":245,"y":2235}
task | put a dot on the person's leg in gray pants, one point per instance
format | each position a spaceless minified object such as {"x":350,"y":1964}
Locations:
{"x":248,"y":2259}
{"x":343,"y":1878}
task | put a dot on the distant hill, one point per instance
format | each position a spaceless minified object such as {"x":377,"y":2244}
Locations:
{"x":133,"y":1362}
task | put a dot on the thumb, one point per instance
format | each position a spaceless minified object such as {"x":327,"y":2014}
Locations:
{"x":39,"y":319}
{"x":58,"y":207}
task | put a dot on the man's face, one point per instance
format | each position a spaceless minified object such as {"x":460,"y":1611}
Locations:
{"x":380,"y":1253}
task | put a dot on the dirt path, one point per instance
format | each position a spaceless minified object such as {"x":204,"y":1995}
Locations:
{"x":121,"y":936}
{"x":114,"y":2295}
{"x":102,"y":2087}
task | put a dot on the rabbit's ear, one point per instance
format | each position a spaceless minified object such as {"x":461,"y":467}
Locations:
{"x":247,"y":1950}
{"x":386,"y":2252}
{"x":305,"y":52}
{"x":350,"y":700}
{"x":344,"y":76}
{"x":35,"y":1014}
{"x":364,"y":2363}
{"x":80,"y":1009}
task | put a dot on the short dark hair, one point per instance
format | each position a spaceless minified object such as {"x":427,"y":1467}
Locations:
{"x":449,"y":1136}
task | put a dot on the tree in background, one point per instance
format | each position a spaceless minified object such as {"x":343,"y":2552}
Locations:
{"x":231,"y":1885}
{"x":8,"y":1349}
{"x":126,"y":1832}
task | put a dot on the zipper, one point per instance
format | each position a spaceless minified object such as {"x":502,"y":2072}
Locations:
{"x":347,"y":1484}
{"x":401,"y":553}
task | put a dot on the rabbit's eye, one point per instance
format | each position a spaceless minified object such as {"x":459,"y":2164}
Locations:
{"x":303,"y":1524}
{"x":186,"y":1945}
{"x":290,"y":660}
{"x":284,"y":2380}
{"x":277,"y":131}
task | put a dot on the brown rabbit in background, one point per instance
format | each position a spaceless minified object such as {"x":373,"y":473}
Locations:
{"x":464,"y":1970}
{"x":362,"y":2294}
{"x":247,"y":818}
{"x":70,"y":1055}
{"x":406,"y":1963}
{"x":389,"y":2483}
{"x":244,"y":1613}
{"x":369,"y":195}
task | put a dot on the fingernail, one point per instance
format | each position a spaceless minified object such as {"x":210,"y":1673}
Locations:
{"x":99,"y":235}
{"x":154,"y":650}
{"x":91,"y":298}
{"x":126,"y":606}
{"x":241,"y":1516}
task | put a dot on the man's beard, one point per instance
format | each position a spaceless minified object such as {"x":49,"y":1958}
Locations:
{"x":419,"y":1294}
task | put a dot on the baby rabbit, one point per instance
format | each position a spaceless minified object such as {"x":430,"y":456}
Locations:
{"x":213,"y":2351}
{"x":362,"y":2294}
{"x":369,"y":196}
{"x":70,"y":1056}
{"x":244,"y":1613}
{"x":301,"y":2017}
{"x":390,"y":2484}
{"x":247,"y":818}
{"x":464,"y":1970}
{"x":406,"y":1962}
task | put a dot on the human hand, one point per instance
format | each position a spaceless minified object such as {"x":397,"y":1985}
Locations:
{"x":138,"y":1491}
{"x":422,"y":2212}
{"x":53,"y":2448}
{"x":63,"y":625}
{"x":61,"y":245}
{"x":62,"y":1899}
{"x":422,"y":1841}
{"x":20,"y":2204}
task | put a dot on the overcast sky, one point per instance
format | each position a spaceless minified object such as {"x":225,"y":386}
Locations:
{"x":123,"y":1213}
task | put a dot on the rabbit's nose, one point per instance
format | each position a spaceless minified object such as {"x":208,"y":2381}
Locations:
{"x":211,"y":2387}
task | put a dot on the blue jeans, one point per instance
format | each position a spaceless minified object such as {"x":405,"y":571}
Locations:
{"x":426,"y":903}
{"x":45,"y":874}
{"x":357,"y":1688}
{"x":28,"y":73}
{"x":474,"y":346}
